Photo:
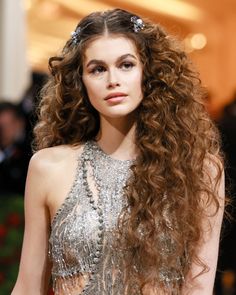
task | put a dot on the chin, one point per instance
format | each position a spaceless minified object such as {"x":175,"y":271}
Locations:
{"x":118,"y":115}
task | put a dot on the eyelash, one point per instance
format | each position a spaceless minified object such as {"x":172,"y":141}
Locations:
{"x":100,"y":69}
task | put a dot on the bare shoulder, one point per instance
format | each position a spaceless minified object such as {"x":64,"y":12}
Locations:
{"x":213,"y":169}
{"x":48,"y":166}
{"x":53,"y":155}
{"x":47,"y":160}
{"x":213,"y":162}
{"x":214,"y":175}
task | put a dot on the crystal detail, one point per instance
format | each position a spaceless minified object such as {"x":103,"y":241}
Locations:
{"x":81,"y":243}
{"x":138,"y":24}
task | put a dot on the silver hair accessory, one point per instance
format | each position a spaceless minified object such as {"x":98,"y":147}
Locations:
{"x":138,"y":23}
{"x":75,"y":36}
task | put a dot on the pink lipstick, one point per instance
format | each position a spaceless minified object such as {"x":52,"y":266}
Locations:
{"x":115,"y":97}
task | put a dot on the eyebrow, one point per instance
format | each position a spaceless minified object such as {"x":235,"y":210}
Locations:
{"x":97,"y":61}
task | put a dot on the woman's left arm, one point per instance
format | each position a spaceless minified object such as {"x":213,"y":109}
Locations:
{"x":209,"y":247}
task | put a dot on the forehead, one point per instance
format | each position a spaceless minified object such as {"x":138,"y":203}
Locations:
{"x":109,"y":47}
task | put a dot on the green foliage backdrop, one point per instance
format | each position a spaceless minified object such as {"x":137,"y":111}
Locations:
{"x":11,"y":236}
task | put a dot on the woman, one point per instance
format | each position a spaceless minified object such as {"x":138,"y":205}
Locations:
{"x":122,"y":128}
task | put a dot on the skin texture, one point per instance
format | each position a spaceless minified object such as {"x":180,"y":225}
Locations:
{"x":172,"y":107}
{"x":111,"y":65}
{"x":42,"y":198}
{"x":119,"y":70}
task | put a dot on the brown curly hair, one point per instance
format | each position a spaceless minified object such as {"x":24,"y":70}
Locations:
{"x":168,"y":193}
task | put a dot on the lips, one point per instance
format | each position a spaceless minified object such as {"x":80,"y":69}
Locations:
{"x":115,"y":94}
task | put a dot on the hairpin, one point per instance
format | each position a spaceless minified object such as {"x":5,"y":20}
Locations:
{"x":75,"y":35}
{"x":138,"y":23}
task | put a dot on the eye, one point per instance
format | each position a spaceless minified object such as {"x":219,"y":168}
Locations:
{"x":97,"y":70}
{"x":127,"y":65}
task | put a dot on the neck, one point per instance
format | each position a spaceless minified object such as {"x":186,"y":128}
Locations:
{"x":117,"y":137}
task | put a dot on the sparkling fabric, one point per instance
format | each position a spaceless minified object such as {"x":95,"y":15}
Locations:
{"x":83,"y":231}
{"x":81,"y":243}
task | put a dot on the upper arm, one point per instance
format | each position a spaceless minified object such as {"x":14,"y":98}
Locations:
{"x":211,"y":228}
{"x":33,"y":274}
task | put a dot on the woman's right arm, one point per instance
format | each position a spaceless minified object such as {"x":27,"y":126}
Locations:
{"x":34,"y":271}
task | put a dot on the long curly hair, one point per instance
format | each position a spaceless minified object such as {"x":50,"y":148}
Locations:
{"x":168,"y":193}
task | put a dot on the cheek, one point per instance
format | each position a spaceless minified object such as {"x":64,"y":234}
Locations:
{"x":136,"y":81}
{"x":94,"y":94}
{"x":92,"y":88}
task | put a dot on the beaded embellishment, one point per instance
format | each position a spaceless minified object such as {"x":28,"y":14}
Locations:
{"x":83,"y":231}
{"x":75,"y":35}
{"x":138,"y":24}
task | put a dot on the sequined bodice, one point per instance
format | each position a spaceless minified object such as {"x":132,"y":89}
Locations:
{"x":83,"y":231}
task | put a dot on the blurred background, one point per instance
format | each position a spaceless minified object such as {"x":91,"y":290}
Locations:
{"x":33,"y":30}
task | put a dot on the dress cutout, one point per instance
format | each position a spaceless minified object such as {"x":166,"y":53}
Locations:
{"x":85,"y":260}
{"x":82,"y":237}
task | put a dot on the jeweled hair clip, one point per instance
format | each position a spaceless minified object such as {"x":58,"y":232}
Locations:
{"x":75,"y":36}
{"x":138,"y":24}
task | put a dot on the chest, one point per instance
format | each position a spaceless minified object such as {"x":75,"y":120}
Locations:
{"x":94,"y":202}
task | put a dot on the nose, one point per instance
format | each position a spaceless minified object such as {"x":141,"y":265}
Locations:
{"x":113,"y":80}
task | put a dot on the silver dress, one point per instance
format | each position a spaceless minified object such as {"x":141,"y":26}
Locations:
{"x":81,"y":243}
{"x":85,"y":260}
